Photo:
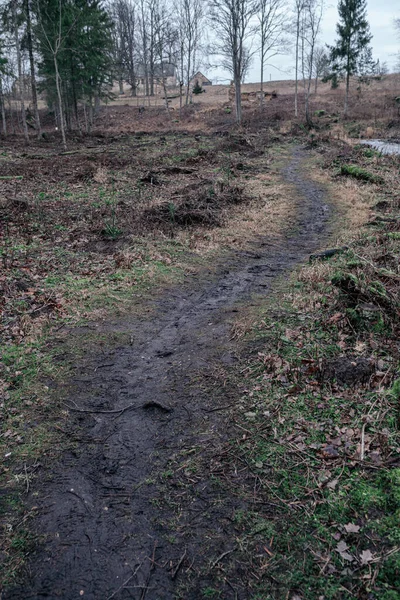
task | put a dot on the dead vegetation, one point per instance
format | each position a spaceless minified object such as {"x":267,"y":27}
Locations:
{"x":314,"y":457}
{"x":318,"y":436}
{"x":201,"y":204}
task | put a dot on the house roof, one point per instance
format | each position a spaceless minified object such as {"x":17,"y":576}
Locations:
{"x":199,"y":74}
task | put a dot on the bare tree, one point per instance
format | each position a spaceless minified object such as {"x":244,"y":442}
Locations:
{"x":231,"y":21}
{"x":54,"y":42}
{"x":298,"y":11}
{"x":19,"y":68}
{"x":3,"y":107}
{"x":144,"y":39}
{"x":190,"y":18}
{"x":321,"y":64}
{"x":272,"y":26}
{"x":125,"y":19}
{"x":311,"y":25}
{"x":29,"y":43}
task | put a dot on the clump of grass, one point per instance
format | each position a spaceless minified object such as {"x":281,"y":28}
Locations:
{"x":111,"y":231}
{"x":360,"y":173}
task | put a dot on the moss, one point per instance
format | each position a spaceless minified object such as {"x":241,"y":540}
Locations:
{"x":360,"y":173}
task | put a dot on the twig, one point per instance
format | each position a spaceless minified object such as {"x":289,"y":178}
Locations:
{"x":362,"y":442}
{"x":152,"y":561}
{"x":80,"y":498}
{"x":125,"y":583}
{"x":26,"y":478}
{"x":214,"y":564}
{"x":178,"y":566}
{"x":210,"y":410}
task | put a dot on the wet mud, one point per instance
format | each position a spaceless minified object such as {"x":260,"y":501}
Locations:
{"x":101,"y":509}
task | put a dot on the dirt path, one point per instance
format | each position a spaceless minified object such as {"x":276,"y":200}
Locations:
{"x":109,"y":532}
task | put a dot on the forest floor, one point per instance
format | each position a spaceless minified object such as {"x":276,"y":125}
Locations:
{"x":190,"y":409}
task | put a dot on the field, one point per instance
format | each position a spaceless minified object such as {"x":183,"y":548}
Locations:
{"x":192,"y":407}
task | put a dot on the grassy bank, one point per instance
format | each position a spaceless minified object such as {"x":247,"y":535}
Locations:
{"x":318,"y":425}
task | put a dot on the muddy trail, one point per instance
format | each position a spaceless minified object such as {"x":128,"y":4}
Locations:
{"x":118,"y":523}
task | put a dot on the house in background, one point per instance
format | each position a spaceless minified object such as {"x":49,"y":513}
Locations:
{"x":202,"y":79}
{"x":161,"y":72}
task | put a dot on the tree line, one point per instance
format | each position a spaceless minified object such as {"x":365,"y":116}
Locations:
{"x":71,"y":51}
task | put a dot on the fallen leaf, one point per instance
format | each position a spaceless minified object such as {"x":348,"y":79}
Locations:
{"x":332,"y":484}
{"x":341,"y":548}
{"x":329,"y":451}
{"x":351,"y":528}
{"x":366,"y":557}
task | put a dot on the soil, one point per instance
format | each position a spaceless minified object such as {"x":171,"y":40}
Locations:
{"x":118,"y":523}
{"x":348,"y":370}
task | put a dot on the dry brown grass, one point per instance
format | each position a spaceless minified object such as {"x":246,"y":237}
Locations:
{"x":354,"y":202}
{"x":270,"y":213}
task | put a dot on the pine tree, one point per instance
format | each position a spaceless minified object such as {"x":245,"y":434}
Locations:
{"x":75,"y":46}
{"x":353,"y":38}
{"x":197,"y":89}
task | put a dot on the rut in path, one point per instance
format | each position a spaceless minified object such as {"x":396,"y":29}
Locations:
{"x":104,"y":539}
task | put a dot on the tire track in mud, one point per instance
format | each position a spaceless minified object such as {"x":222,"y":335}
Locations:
{"x":104,"y":537}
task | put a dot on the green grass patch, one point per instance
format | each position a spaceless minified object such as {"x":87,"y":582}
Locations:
{"x":360,"y":173}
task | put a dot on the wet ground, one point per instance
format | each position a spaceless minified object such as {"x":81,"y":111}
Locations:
{"x":136,"y":409}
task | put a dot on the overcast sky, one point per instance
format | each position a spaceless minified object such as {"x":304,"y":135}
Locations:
{"x":385,"y":43}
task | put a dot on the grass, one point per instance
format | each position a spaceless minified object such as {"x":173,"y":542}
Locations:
{"x":61,"y":275}
{"x":322,"y":458}
{"x":59,"y":279}
{"x":360,"y":173}
{"x":302,"y":449}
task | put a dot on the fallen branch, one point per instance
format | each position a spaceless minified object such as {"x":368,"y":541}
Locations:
{"x":214,"y":564}
{"x":124,"y":584}
{"x":178,"y":566}
{"x":327,"y":253}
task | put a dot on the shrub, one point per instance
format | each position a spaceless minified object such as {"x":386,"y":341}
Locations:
{"x":197,"y":89}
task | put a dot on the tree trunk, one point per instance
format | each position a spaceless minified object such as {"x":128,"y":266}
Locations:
{"x":32,"y":68}
{"x":3,"y":110}
{"x":85,"y":116}
{"x":60,"y":104}
{"x":121,"y":86}
{"x":262,"y":77}
{"x":238,"y":98}
{"x":96,"y":104}
{"x":188,"y":78}
{"x":296,"y":112}
{"x":20,"y":78}
{"x":346,"y":97}
{"x":10,"y":112}
{"x":308,"y":90}
{"x":165,"y":94}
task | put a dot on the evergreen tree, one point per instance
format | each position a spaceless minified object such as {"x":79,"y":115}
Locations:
{"x":75,"y":45}
{"x":353,"y":39}
{"x":197,"y":89}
